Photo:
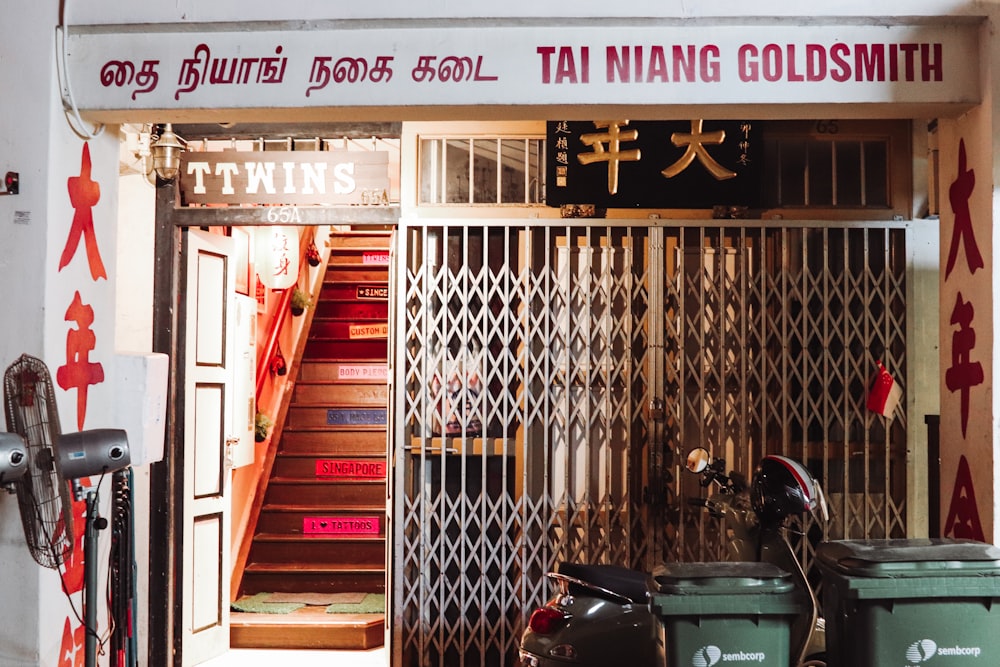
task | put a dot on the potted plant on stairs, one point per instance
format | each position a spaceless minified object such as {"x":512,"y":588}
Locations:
{"x":261,"y":426}
{"x":300,"y":301}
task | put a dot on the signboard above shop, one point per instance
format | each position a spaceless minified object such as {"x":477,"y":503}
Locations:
{"x":115,"y":71}
{"x":655,"y":164}
{"x":289,"y":178}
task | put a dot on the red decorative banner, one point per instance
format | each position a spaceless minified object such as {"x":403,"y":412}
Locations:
{"x":377,"y":257}
{"x":350,"y":468}
{"x":343,"y":525}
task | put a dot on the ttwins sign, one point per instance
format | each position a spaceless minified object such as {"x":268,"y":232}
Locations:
{"x":285,"y":177}
{"x":655,"y":164}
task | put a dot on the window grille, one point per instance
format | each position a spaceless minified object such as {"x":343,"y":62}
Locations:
{"x":490,"y":171}
{"x":528,"y":354}
{"x":837,"y":173}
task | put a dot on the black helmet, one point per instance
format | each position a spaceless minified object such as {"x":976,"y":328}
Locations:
{"x":781,"y":487}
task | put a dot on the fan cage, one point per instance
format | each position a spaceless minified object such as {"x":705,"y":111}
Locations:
{"x":43,"y":495}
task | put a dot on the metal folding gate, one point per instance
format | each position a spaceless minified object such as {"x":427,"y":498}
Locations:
{"x":549,"y":377}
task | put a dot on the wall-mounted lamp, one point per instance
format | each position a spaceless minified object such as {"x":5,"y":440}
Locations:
{"x":11,"y":183}
{"x":166,"y":151}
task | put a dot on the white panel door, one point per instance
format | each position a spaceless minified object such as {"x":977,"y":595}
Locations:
{"x":208,"y":411}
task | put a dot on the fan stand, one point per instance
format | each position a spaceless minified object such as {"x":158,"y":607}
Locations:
{"x":95,"y":523}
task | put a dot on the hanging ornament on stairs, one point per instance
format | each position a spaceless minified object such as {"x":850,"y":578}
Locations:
{"x":312,"y":253}
{"x":278,"y":366}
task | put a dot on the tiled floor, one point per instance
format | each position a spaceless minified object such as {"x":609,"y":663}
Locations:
{"x":376,"y":657}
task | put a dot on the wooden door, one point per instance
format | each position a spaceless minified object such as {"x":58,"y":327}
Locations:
{"x":208,"y":408}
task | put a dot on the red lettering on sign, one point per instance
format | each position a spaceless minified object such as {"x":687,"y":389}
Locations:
{"x":350,"y":468}
{"x":840,"y":62}
{"x":332,"y":525}
{"x":963,"y":514}
{"x":567,"y":70}
{"x":379,"y":257}
{"x":362,"y":372}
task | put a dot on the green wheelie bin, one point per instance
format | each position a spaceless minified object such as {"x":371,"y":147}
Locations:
{"x":911,"y":603}
{"x":737,"y":613}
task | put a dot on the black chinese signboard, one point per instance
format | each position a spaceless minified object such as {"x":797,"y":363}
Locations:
{"x":654,"y":164}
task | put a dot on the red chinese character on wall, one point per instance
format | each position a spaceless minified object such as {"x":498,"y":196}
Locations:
{"x":963,"y":373}
{"x":74,"y":574}
{"x":84,"y":193}
{"x":72,"y":652}
{"x":963,"y":513}
{"x":79,"y":372}
{"x":959,"y":194}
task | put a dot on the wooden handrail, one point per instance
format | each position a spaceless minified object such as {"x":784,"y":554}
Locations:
{"x":267,"y":354}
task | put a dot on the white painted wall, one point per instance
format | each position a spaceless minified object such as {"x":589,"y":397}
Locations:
{"x":36,"y":141}
{"x":134,"y":334}
{"x":25,"y":75}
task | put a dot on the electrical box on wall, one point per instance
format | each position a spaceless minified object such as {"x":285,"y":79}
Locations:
{"x":141,"y":404}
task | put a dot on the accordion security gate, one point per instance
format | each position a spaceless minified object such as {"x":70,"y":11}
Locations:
{"x":549,"y":378}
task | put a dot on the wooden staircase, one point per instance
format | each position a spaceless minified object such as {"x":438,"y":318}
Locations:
{"x":322,"y":524}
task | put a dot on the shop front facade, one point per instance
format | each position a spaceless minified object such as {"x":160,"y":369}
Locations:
{"x":617,"y":238}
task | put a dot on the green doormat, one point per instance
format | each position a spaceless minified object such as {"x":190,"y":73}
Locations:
{"x":317,"y":599}
{"x":257,"y":604}
{"x":374,"y":603}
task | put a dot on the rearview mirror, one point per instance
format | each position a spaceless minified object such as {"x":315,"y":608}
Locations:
{"x":697,"y":459}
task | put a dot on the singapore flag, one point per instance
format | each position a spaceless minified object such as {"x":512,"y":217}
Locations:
{"x":885,"y":393}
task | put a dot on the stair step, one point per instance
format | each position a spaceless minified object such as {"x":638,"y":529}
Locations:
{"x":307,"y":628}
{"x":355,"y":292}
{"x":308,"y":466}
{"x":315,"y":578}
{"x":331,"y":442}
{"x":329,"y":326}
{"x":340,"y":493}
{"x":360,"y":256}
{"x":344,"y":370}
{"x":372,"y":349}
{"x":273,"y":548}
{"x":344,"y":241}
{"x":330,"y":393}
{"x":336,"y":416}
{"x":356,"y":273}
{"x":351,"y":310}
{"x":290,"y":519}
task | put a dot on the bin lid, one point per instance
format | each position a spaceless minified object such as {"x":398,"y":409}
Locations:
{"x":723,"y":578}
{"x":909,"y":557}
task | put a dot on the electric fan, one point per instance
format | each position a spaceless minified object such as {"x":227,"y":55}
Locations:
{"x":56,"y":463}
{"x":13,"y":459}
{"x":43,"y":494}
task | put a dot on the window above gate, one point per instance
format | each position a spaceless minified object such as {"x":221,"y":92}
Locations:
{"x":482,"y":170}
{"x":838,"y":167}
{"x":825,"y":169}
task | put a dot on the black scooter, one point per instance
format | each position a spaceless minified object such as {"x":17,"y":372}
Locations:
{"x":601,"y":614}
